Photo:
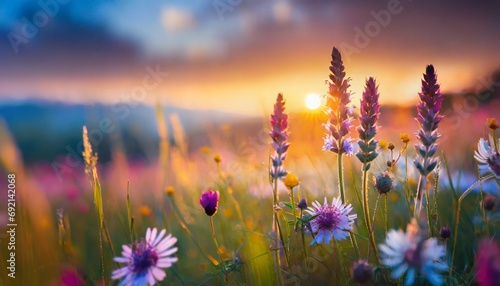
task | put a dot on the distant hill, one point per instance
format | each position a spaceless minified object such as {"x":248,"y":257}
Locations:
{"x":43,"y":129}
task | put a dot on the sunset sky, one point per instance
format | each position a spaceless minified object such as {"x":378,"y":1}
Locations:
{"x":236,"y":55}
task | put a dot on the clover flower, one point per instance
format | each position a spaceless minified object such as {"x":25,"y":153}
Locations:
{"x":340,"y":114}
{"x":331,"y":220}
{"x":146,"y":258}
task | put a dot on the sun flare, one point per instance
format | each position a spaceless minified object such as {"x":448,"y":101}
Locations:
{"x":313,"y":101}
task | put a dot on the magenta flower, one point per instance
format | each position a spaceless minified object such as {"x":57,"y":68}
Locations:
{"x":488,"y":263}
{"x":210,"y":202}
{"x":279,"y":134}
{"x":428,"y":118}
{"x":337,"y":100}
{"x":369,"y":113}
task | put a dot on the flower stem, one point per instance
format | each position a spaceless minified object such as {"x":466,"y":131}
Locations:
{"x":175,"y":211}
{"x":277,"y":230}
{"x":418,"y":199}
{"x":457,"y":220}
{"x":483,"y":212}
{"x":218,"y":249}
{"x":304,"y":247}
{"x":292,"y":200}
{"x":366,"y":211}
{"x":386,"y":215}
{"x":429,"y":211}
{"x":406,"y":174}
{"x":341,"y":177}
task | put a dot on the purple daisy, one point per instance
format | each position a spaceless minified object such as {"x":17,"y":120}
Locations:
{"x":331,"y":221}
{"x":146,"y":258}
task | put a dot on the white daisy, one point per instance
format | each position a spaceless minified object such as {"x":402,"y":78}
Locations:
{"x":332,"y":220}
{"x":408,"y":252}
{"x":145,"y":259}
{"x":488,"y":157}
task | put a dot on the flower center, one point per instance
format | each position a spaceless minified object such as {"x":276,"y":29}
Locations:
{"x":413,"y":257}
{"x":328,"y":218}
{"x":143,"y":257}
{"x":494,"y":163}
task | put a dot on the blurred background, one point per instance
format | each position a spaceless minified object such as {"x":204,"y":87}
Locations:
{"x":66,"y":63}
{"x":203,"y":76}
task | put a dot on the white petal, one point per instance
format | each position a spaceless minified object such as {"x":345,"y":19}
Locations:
{"x":148,"y":234}
{"x":159,"y":237}
{"x":399,"y":270}
{"x":122,"y":259}
{"x":168,"y":252}
{"x":159,"y":274}
{"x":166,"y":262}
{"x":392,"y":261}
{"x":127,"y":251}
{"x":166,"y":243}
{"x":150,"y":278}
{"x":119,"y":273}
{"x":152,"y":237}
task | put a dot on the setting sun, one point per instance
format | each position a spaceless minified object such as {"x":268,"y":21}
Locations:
{"x":313,"y":101}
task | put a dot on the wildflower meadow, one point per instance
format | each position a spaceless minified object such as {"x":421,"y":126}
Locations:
{"x":370,"y":207}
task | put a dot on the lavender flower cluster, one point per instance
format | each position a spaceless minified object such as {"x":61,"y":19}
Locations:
{"x":340,"y":114}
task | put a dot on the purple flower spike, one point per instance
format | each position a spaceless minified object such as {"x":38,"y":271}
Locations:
{"x":210,"y":202}
{"x":337,"y":100}
{"x":428,"y":118}
{"x":279,"y":134}
{"x":370,"y":110}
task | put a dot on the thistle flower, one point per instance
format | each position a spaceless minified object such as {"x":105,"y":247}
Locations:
{"x":331,"y":221}
{"x":362,"y":272}
{"x":488,"y":157}
{"x":489,"y":202}
{"x":488,"y":263}
{"x":428,"y":119}
{"x":409,"y":252}
{"x":445,"y":232}
{"x":210,"y":202}
{"x":384,"y":183}
{"x":279,"y":134}
{"x":370,"y":110}
{"x":302,"y":204}
{"x":337,"y":100}
{"x":146,"y":258}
